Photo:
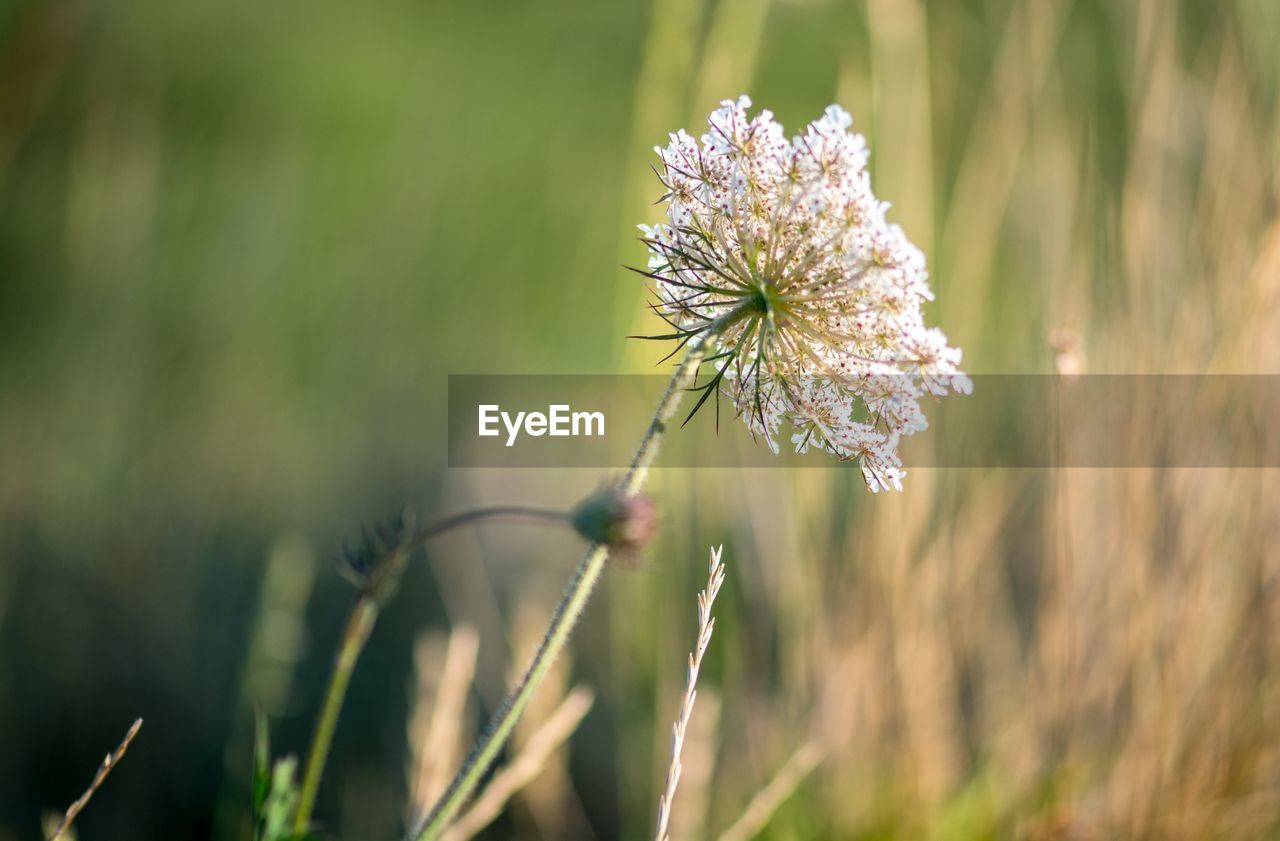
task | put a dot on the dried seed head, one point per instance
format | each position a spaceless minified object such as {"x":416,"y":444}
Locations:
{"x":376,"y":542}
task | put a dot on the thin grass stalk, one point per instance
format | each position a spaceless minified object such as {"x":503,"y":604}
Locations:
{"x":768,"y":799}
{"x":574,"y":599}
{"x":436,"y":738}
{"x":668,"y":60}
{"x":112,"y":759}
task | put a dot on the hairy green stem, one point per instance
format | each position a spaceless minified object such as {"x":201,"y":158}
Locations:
{"x":575,"y":597}
{"x":378,"y":587}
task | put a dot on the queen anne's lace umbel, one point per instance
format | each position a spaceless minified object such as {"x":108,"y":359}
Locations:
{"x":780,"y":249}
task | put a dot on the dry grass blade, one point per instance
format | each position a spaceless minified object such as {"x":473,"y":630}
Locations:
{"x":105,"y":768}
{"x":434,"y":740}
{"x":706,"y":624}
{"x":553,"y":733}
{"x":698,"y":767}
{"x":769,"y":798}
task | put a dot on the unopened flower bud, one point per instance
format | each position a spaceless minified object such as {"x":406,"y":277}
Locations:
{"x":623,"y":522}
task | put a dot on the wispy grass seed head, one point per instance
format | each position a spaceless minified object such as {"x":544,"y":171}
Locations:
{"x":781,"y":249}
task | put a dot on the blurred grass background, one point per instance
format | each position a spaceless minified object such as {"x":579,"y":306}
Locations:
{"x":242,"y":245}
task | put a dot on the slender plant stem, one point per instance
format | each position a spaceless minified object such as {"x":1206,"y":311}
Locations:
{"x":572,"y":602}
{"x":112,"y":760}
{"x":378,"y":588}
{"x":509,"y":512}
{"x":354,"y":636}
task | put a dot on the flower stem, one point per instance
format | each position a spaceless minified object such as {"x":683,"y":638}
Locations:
{"x":354,"y":636}
{"x":379,"y":585}
{"x":575,"y":597}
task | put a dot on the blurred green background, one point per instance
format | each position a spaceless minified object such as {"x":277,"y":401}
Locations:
{"x":243,"y":245}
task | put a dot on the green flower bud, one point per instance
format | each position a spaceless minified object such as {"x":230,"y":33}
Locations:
{"x":624,"y":523}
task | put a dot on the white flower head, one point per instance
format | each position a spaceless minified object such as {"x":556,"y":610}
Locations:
{"x":780,"y":250}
